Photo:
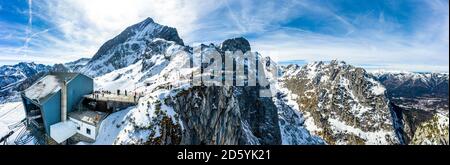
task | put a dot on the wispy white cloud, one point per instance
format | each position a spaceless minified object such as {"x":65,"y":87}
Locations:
{"x":396,"y":52}
{"x":77,"y":28}
{"x":424,"y":49}
{"x":81,"y":26}
{"x":29,"y":29}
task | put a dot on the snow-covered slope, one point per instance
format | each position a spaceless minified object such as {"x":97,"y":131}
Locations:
{"x":411,"y":84}
{"x":292,"y":124}
{"x":10,"y":116}
{"x":76,"y":65}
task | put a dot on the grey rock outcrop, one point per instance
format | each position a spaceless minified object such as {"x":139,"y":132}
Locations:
{"x":217,"y":115}
{"x":235,"y":44}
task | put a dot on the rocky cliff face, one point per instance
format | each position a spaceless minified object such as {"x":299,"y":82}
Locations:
{"x":343,"y":104}
{"x":432,"y":132}
{"x":236,"y":44}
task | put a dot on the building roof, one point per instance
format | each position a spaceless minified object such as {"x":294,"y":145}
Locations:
{"x":63,"y":130}
{"x":90,"y":117}
{"x":45,"y":87}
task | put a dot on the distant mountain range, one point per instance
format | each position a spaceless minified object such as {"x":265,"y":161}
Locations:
{"x":13,"y":78}
{"x":423,"y":98}
{"x":318,"y":103}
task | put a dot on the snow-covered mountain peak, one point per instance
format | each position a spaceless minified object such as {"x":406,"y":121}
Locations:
{"x":148,"y":29}
{"x":137,"y":42}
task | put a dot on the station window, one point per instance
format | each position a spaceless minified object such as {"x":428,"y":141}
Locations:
{"x":88,"y":131}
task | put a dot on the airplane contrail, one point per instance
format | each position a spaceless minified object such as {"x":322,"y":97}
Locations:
{"x":29,"y":27}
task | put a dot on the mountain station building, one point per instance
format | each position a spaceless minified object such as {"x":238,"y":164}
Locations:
{"x":50,"y":101}
{"x":63,"y":108}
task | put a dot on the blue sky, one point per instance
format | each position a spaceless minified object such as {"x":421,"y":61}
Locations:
{"x":410,"y":35}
